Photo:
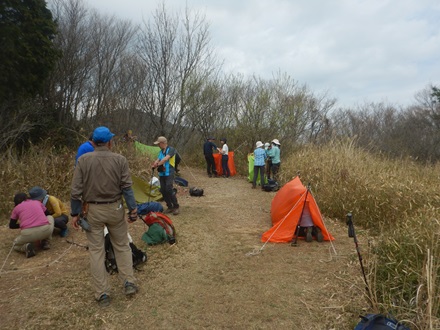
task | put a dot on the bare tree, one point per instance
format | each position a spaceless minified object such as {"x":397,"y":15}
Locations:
{"x":178,"y":63}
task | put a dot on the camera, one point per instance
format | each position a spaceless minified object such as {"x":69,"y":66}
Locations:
{"x":84,"y":224}
{"x":161,"y":168}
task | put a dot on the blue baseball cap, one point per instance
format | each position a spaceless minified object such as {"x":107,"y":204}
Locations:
{"x":102,"y":135}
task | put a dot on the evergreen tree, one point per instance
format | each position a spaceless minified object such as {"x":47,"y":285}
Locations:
{"x":27,"y":54}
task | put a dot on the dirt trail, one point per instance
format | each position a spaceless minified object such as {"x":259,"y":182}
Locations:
{"x":218,"y":275}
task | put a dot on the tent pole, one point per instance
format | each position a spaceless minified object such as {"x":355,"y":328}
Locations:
{"x":294,"y":241}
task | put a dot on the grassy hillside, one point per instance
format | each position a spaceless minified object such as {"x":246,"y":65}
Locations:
{"x":395,"y":202}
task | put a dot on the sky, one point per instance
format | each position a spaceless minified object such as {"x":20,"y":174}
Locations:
{"x":357,"y":51}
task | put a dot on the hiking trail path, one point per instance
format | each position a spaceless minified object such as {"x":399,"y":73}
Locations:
{"x":219,"y":275}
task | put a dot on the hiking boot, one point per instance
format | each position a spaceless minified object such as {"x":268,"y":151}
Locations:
{"x":168,"y":211}
{"x":104,"y":300}
{"x":45,"y":244}
{"x":29,"y":250}
{"x":309,"y":237}
{"x":319,"y":236}
{"x":130,"y":289}
{"x":64,"y":232}
{"x":176,"y":211}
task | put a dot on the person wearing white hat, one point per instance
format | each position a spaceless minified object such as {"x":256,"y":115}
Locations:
{"x":268,"y":165}
{"x":274,"y":154}
{"x":259,"y":162}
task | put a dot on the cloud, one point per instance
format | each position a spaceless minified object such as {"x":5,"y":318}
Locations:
{"x":358,"y":50}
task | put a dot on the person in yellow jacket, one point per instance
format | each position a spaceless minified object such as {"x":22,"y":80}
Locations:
{"x":55,"y":208}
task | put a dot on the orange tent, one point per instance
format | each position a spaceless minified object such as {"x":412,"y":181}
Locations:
{"x":286,"y":210}
{"x":231,"y":164}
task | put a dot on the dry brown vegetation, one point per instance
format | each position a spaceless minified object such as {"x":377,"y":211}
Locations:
{"x":220,"y":275}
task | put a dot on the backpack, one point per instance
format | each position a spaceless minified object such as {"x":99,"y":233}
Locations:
{"x":379,"y":322}
{"x":148,"y":207}
{"x":196,"y":192}
{"x":110,"y":260}
{"x":169,"y":232}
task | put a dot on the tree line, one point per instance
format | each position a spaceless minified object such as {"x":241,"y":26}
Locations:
{"x":66,"y":67}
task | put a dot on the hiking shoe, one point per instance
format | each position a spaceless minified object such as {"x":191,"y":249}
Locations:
{"x":104,"y":300}
{"x":309,"y":237}
{"x":176,"y":211}
{"x":64,"y":232}
{"x":168,"y":211}
{"x":319,"y":236}
{"x":45,"y":244}
{"x":29,"y":250}
{"x":130,"y":289}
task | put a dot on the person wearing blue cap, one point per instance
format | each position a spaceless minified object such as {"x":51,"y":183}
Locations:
{"x":100,"y":179}
{"x":84,"y":148}
{"x":208,"y":148}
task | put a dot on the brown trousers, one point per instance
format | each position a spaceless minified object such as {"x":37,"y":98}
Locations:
{"x":111,"y":216}
{"x":31,"y":235}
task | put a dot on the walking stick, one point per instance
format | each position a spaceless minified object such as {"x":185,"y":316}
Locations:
{"x":352,"y":233}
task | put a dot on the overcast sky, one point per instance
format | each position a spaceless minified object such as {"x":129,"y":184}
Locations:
{"x":357,"y":50}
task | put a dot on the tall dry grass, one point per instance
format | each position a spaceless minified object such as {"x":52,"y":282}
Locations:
{"x":398,"y":202}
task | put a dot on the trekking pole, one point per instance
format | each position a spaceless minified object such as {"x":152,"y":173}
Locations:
{"x":295,"y":238}
{"x":352,"y":233}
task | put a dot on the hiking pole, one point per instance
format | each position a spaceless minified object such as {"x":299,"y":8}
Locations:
{"x":295,"y":238}
{"x":352,"y":233}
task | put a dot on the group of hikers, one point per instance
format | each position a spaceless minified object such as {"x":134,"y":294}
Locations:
{"x":267,"y":162}
{"x":101,"y":178}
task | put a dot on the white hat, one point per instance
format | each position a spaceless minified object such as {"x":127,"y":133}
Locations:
{"x":259,"y":144}
{"x":276,"y":142}
{"x":267,"y":145}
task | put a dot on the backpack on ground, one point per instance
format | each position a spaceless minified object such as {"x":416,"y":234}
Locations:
{"x":145,"y":208}
{"x":160,"y":229}
{"x":379,"y":322}
{"x":271,"y":185}
{"x":138,"y":255}
{"x":196,"y":191}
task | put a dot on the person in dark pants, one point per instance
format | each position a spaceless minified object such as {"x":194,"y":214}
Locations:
{"x":208,"y":149}
{"x":55,"y":208}
{"x":224,"y":150}
{"x":165,"y":166}
{"x":100,"y":180}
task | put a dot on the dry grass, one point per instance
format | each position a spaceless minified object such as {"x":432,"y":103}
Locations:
{"x":208,"y":280}
{"x":398,"y":201}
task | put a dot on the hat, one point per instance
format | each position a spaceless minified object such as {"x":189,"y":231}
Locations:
{"x":223,"y":139}
{"x":102,"y":135}
{"x":275,"y":141}
{"x":259,"y":144}
{"x":160,"y":139}
{"x":210,"y":138}
{"x":267,"y":144}
{"x":37,"y":193}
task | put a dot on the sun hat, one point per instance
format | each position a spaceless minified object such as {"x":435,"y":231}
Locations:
{"x":267,"y":145}
{"x":276,"y":142}
{"x":102,"y":135}
{"x":37,"y":193}
{"x":223,"y":139}
{"x":161,"y":139}
{"x":259,"y":144}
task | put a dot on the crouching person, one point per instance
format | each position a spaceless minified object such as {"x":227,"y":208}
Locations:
{"x":55,"y":208}
{"x":29,"y":216}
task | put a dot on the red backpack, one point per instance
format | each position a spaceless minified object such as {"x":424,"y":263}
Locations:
{"x":164,"y":221}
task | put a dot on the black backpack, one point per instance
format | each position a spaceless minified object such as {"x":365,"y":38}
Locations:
{"x":379,"y":322}
{"x":110,"y":261}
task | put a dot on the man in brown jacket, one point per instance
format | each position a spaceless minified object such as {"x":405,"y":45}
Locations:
{"x":100,"y":179}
